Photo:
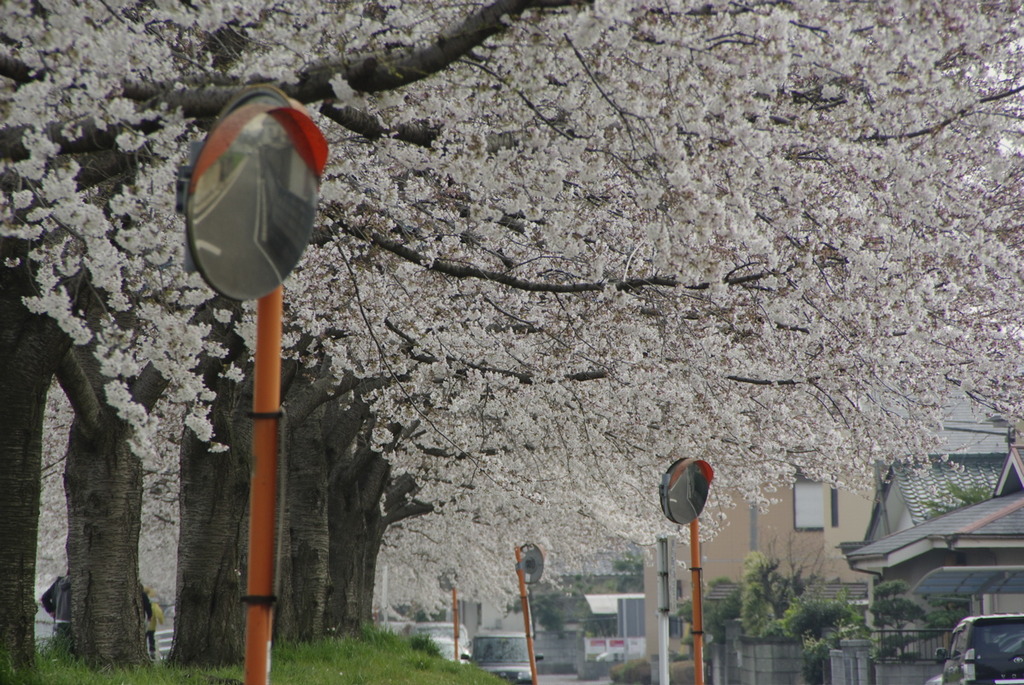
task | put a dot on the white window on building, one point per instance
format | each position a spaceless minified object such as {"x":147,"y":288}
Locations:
{"x":808,"y":505}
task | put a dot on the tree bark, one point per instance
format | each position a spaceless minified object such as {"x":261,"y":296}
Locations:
{"x":31,"y":347}
{"x":103,"y":486}
{"x":304,"y":581}
{"x":214,"y":503}
{"x":356,"y":536}
{"x":357,"y":481}
{"x":103,"y":483}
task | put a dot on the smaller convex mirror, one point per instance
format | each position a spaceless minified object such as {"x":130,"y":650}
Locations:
{"x":533,"y":563}
{"x":684,"y":489}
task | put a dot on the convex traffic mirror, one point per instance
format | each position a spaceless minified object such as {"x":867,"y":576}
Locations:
{"x":533,"y":563}
{"x":684,"y":489}
{"x":250,"y":200}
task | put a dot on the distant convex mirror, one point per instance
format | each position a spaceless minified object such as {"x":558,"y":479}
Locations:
{"x":533,"y":563}
{"x":251,"y":198}
{"x":684,"y":489}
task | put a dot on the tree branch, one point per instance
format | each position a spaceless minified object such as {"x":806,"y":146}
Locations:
{"x":398,"y":502}
{"x":316,"y":393}
{"x":74,"y":380}
{"x":523,"y":377}
{"x":16,"y":70}
{"x":148,"y":387}
{"x":373,"y":74}
{"x":877,"y":137}
{"x":422,"y":134}
{"x":594,"y":375}
{"x":457,"y":270}
{"x":408,"y":510}
{"x":206,"y":98}
{"x":75,"y":137}
{"x":761,"y":381}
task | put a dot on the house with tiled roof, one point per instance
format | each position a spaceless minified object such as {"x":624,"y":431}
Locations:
{"x":909,"y":494}
{"x":976,"y":550}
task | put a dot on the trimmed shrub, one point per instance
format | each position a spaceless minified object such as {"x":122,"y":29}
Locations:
{"x":681,"y":672}
{"x":635,"y":672}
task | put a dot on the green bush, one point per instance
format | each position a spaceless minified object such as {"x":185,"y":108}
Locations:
{"x":765,"y":594}
{"x":946,"y":611}
{"x":820,"y":623}
{"x":635,"y":672}
{"x":681,"y":672}
{"x":891,"y":608}
{"x":423,"y":643}
{"x":813,"y":616}
{"x":816,"y":660}
{"x":638,"y":672}
{"x":894,"y":611}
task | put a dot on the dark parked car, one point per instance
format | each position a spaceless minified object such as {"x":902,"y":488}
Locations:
{"x":985,"y":650}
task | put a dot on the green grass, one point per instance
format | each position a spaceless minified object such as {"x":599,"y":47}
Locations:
{"x":376,"y":658}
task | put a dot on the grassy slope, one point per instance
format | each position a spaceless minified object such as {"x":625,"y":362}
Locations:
{"x":375,"y":659}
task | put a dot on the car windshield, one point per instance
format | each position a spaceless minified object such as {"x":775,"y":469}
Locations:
{"x":506,"y":649}
{"x":435,"y":629}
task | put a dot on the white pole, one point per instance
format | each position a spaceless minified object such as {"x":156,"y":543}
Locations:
{"x":384,"y":597}
{"x":663,"y":609}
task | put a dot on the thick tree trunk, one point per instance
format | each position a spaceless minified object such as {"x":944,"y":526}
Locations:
{"x":103,"y":485}
{"x":20,"y":454}
{"x":357,"y":484}
{"x":361,"y":509}
{"x":214,"y":505}
{"x":31,"y":347}
{"x":356,"y":536}
{"x":304,"y":583}
{"x":103,"y":482}
{"x":333,"y":522}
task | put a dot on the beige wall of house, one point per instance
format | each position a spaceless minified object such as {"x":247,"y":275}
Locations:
{"x":854,"y":517}
{"x":841,"y":517}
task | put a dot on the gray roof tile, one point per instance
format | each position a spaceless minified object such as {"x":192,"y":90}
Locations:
{"x":968,"y":428}
{"x":1000,"y":516}
{"x":923,"y":487}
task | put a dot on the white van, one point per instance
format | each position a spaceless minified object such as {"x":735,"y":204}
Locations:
{"x":504,"y":654}
{"x":443,"y":634}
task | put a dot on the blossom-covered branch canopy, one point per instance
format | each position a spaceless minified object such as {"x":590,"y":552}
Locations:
{"x":575,"y":239}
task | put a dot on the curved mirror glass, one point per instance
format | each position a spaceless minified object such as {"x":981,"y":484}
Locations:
{"x":684,"y":490}
{"x":533,"y":563}
{"x":252,"y":207}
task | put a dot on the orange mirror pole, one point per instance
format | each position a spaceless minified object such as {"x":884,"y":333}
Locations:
{"x":698,"y":613}
{"x":526,"y":614}
{"x":263,"y":489}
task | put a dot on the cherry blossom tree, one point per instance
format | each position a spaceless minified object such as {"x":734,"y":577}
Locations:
{"x":558,"y":244}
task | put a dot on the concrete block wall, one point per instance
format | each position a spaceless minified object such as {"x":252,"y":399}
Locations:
{"x":770,"y":660}
{"x":561,"y":651}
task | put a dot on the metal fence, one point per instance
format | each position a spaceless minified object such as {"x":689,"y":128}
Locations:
{"x":902,"y":646}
